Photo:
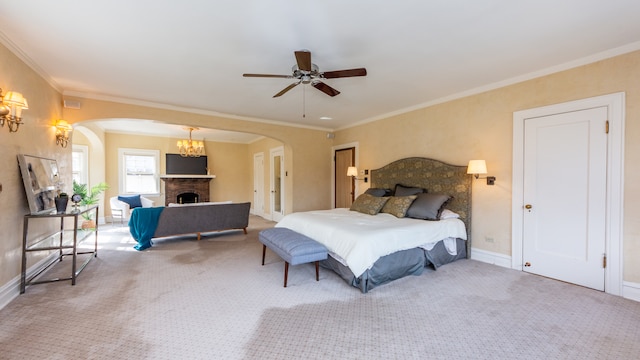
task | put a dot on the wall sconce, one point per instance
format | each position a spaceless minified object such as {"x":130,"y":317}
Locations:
{"x":479,"y":167}
{"x":353,"y":171}
{"x":11,"y":105}
{"x":62,"y":133}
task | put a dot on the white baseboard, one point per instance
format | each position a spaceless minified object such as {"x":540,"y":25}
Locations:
{"x":491,"y":257}
{"x":11,"y":290}
{"x":631,"y":290}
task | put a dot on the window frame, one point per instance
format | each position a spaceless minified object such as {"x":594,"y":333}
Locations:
{"x":84,"y":163}
{"x":122,"y":152}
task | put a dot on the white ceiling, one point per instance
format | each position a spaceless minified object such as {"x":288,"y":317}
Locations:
{"x":191,"y":54}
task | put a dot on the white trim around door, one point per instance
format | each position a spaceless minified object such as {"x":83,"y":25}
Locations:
{"x":615,"y":104}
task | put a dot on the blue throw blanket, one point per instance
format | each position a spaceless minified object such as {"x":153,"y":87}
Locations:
{"x":143,"y":224}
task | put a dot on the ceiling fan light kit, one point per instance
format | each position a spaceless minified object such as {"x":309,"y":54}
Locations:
{"x":306,"y":72}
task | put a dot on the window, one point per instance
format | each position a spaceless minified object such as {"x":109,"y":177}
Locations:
{"x":80,"y":164}
{"x":139,"y":171}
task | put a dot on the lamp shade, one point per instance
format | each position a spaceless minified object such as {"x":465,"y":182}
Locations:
{"x":352,"y":171}
{"x":63,"y":125}
{"x":15,"y":98}
{"x":477,"y":167}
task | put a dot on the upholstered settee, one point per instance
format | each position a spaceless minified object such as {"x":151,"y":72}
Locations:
{"x":122,"y":209}
{"x":156,"y":222}
{"x":202,"y":218}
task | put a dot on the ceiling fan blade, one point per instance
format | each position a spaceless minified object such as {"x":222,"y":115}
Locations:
{"x":344,"y":73}
{"x":268,"y":76}
{"x":325,"y":88}
{"x":303,"y":57}
{"x":287,"y":89}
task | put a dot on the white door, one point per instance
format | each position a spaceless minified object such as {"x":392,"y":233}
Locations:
{"x":565,"y":173}
{"x":258,"y":184}
{"x":277,"y":183}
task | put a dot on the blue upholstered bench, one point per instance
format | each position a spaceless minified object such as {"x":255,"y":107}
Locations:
{"x":294,"y":248}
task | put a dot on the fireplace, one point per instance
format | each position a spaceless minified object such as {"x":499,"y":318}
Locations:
{"x":184,"y":189}
{"x":188,"y":198}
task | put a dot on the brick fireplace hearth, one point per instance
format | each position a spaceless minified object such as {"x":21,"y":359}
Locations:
{"x":177,"y":185}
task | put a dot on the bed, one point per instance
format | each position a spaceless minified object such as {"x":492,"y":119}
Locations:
{"x":370,"y":250}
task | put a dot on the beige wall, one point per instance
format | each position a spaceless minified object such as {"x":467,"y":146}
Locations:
{"x":480,"y":127}
{"x":227,"y":161}
{"x":306,"y":150}
{"x":35,"y":137}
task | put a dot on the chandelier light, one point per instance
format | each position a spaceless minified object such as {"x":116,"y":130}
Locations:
{"x":191,"y":148}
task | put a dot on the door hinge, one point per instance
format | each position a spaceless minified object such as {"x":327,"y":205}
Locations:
{"x":607,"y":127}
{"x":604,"y":261}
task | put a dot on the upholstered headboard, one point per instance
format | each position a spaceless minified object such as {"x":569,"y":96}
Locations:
{"x":435,"y":176}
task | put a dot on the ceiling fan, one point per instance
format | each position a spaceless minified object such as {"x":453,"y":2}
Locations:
{"x":305,"y":72}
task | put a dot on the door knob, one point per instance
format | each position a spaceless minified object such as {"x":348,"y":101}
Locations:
{"x":528,"y":206}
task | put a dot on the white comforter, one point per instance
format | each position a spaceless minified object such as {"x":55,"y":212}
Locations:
{"x":360,"y":239}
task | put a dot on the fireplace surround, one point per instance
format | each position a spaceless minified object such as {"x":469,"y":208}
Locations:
{"x":175,"y":186}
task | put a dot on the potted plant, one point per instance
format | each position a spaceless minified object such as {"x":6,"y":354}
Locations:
{"x":89,"y":197}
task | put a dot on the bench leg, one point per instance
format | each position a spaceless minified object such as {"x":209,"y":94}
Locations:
{"x":317,"y":271}
{"x":286,"y":272}
{"x":264,"y":250}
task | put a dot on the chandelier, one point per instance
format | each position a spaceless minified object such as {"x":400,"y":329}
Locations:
{"x":190,"y":148}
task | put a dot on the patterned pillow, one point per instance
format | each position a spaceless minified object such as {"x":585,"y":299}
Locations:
{"x":398,"y":205}
{"x":368,"y":204}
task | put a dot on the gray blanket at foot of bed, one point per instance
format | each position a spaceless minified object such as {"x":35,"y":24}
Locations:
{"x":397,"y":265}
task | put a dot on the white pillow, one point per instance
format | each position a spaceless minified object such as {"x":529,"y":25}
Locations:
{"x":448,"y":214}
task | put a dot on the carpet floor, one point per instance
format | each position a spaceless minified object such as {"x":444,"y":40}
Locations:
{"x":212,"y":299}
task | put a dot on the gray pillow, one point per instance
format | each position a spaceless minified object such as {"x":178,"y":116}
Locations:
{"x":428,"y":206}
{"x":402,"y":190}
{"x":378,"y":192}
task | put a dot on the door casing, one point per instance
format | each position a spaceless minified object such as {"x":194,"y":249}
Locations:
{"x":615,"y":104}
{"x":276,"y":183}
{"x":258,"y":184}
{"x":353,"y":145}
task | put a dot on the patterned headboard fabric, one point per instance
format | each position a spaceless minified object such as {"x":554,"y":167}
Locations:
{"x":435,"y":176}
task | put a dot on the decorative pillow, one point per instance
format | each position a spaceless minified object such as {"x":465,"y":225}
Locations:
{"x":398,"y":205}
{"x":132,"y":200}
{"x":402,"y":190}
{"x":428,"y":206}
{"x":378,"y":192}
{"x":368,"y":204}
{"x":448,"y":214}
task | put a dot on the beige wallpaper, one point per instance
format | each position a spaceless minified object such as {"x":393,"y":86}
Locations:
{"x":35,"y":137}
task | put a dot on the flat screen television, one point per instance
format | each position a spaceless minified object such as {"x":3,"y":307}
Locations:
{"x":40,"y":176}
{"x":178,"y":165}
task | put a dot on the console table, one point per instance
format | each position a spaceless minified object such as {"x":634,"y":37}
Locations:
{"x":64,"y":241}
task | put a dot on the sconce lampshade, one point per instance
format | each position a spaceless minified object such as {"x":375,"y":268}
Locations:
{"x":63,"y":125}
{"x":477,"y":167}
{"x":15,"y":98}
{"x":352,"y":171}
